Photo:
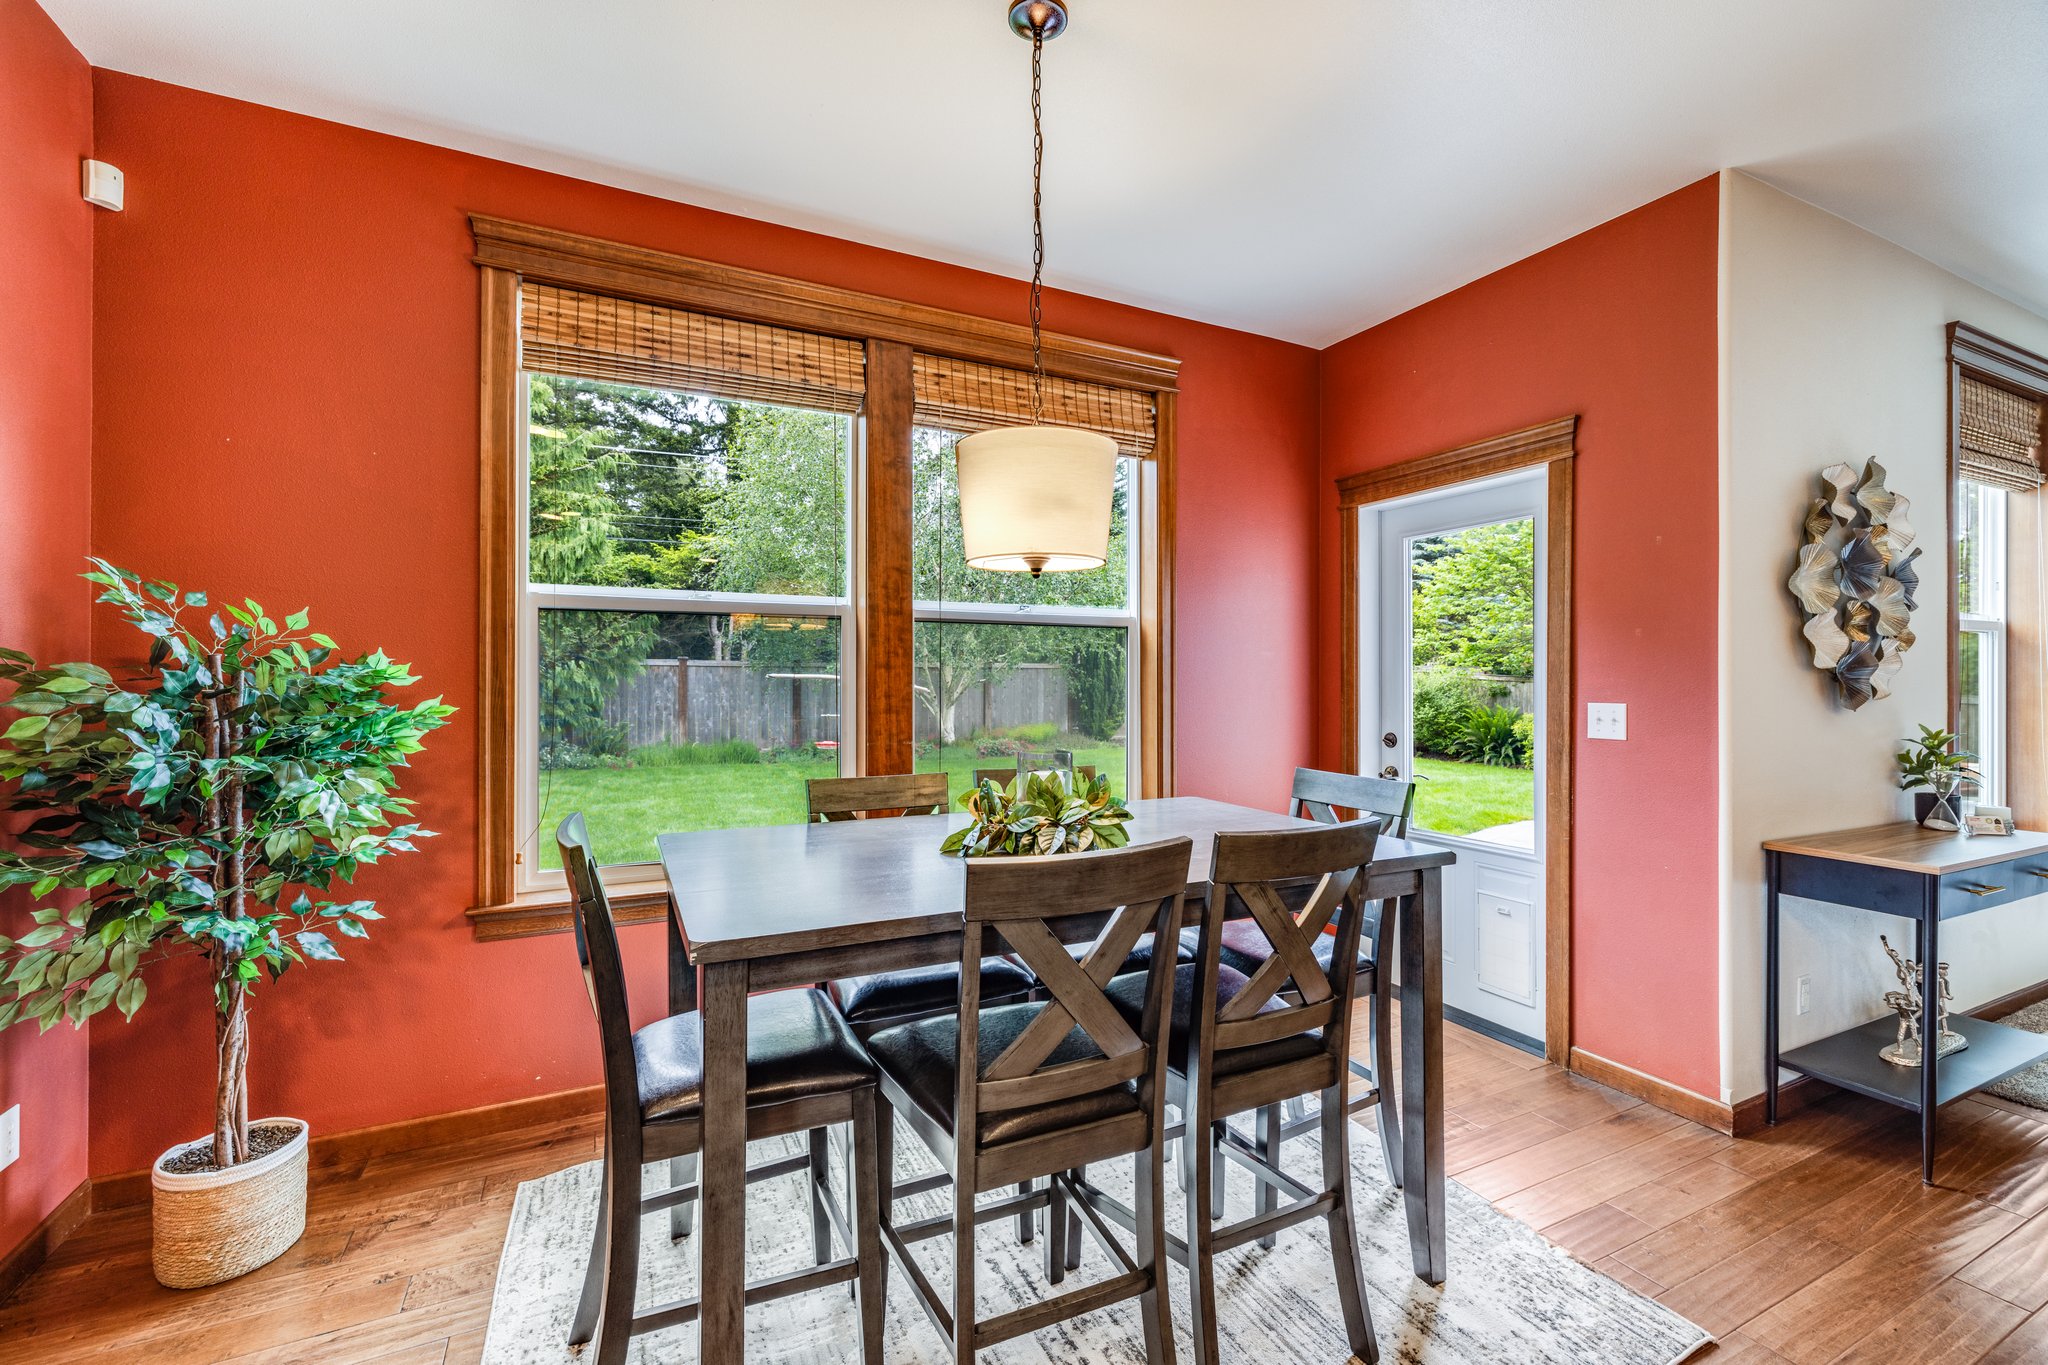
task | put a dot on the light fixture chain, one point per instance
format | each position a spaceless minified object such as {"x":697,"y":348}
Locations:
{"x":1037,"y":228}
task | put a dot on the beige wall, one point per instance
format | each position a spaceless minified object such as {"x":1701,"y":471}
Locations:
{"x":1833,"y":349}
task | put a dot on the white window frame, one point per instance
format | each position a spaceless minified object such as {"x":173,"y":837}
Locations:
{"x":528,"y":874}
{"x":1988,"y":624}
{"x":1144,"y":493}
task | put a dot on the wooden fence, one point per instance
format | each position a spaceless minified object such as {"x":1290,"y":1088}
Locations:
{"x":707,"y":702}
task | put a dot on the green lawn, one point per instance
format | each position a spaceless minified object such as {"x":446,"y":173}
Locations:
{"x":1462,"y":798}
{"x":627,"y":807}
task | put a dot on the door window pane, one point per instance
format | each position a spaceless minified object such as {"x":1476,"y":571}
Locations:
{"x":662,"y":722}
{"x":938,"y":564}
{"x":1472,"y":633}
{"x":641,"y":487}
{"x":986,"y":692}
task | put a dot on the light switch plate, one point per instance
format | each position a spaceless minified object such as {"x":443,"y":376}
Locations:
{"x":1606,"y":720}
{"x":10,"y":1137}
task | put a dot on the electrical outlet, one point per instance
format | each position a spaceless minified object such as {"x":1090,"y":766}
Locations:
{"x":1805,"y":995}
{"x":1606,"y":720}
{"x":10,"y":1137}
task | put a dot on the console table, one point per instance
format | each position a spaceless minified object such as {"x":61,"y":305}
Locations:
{"x":1926,"y":876}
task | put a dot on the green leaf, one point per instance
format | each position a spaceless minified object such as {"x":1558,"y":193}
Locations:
{"x":298,"y":619}
{"x":36,"y":938}
{"x":66,"y":684}
{"x":317,"y":945}
{"x":129,"y":997}
{"x":28,"y":727}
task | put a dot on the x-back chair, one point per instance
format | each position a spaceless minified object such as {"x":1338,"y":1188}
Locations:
{"x":1321,"y":796}
{"x":1249,"y":1042}
{"x":805,"y":1070}
{"x":1014,"y":1093}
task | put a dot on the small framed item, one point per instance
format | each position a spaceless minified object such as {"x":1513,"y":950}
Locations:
{"x":1990,"y":820}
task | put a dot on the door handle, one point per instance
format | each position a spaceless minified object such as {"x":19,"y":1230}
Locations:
{"x":1390,"y":772}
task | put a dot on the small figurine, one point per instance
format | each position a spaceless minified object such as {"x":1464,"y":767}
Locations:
{"x":1905,"y":1001}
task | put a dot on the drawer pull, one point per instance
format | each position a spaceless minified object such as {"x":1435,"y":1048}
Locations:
{"x":2037,"y":871}
{"x":1983,"y":890}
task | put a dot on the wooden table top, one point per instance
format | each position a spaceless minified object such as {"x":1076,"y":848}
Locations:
{"x":1907,"y":847}
{"x":756,"y":892}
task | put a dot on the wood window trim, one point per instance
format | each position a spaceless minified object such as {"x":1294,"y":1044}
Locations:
{"x":1552,"y":444}
{"x":508,"y":253}
{"x":1976,"y":354}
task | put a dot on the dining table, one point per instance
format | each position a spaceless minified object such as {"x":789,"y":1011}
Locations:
{"x":768,"y":907}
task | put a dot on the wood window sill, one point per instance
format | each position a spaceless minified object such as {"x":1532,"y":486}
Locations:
{"x":547,"y":912}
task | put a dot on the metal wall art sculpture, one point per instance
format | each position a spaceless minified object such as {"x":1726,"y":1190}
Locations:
{"x":1856,"y":582}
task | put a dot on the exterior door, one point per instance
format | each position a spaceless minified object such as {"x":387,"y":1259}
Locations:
{"x":1459,"y":636}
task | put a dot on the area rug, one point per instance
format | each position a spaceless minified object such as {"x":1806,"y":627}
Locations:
{"x":1510,"y":1298}
{"x":2029,"y":1087}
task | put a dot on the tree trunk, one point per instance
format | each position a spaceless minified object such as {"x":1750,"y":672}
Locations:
{"x":231,"y":1080}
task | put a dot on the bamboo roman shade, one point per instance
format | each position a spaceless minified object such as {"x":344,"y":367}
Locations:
{"x":619,"y":341}
{"x":2000,"y":435}
{"x":961,"y":396}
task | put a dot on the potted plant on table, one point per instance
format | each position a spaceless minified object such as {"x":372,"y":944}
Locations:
{"x":1039,"y":813}
{"x":1937,"y":771}
{"x":201,"y":811}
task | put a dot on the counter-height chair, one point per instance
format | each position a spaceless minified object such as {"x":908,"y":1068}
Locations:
{"x":1019,"y":1092}
{"x":1243,"y":1043}
{"x":886,"y":998}
{"x":805,"y":1070}
{"x":1002,"y":777}
{"x":1320,"y":796}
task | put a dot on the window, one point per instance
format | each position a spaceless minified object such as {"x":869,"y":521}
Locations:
{"x":719,"y":555}
{"x":1980,"y":630}
{"x":687,"y":562}
{"x":1005,"y":662}
{"x":1998,"y":680}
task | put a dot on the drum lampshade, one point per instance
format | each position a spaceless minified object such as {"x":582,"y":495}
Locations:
{"x":1036,"y":499}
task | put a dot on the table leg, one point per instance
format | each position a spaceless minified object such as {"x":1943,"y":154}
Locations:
{"x":722,"y":1236}
{"x":1422,"y":1073}
{"x":1771,"y":988}
{"x":1930,"y":1026}
{"x":682,"y":999}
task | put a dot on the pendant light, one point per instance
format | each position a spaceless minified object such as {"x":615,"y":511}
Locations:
{"x":1036,"y":499}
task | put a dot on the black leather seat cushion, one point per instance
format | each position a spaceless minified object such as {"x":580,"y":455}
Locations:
{"x":1127,"y":993}
{"x":1140,"y":959}
{"x":926,"y":990}
{"x":1244,"y":948}
{"x":920,"y":1058}
{"x":797,"y":1046}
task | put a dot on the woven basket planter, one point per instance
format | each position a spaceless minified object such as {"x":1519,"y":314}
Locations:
{"x":210,"y":1226}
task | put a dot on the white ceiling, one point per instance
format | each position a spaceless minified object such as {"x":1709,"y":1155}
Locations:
{"x":1300,"y":168}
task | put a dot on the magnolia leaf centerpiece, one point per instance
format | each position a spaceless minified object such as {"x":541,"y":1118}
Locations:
{"x":1039,"y":813}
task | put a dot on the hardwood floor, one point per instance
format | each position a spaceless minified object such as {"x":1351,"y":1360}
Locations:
{"x":1814,"y":1242}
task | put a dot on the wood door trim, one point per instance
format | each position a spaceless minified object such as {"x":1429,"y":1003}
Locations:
{"x":552,"y":256}
{"x":1535,"y":445}
{"x":1551,"y":444}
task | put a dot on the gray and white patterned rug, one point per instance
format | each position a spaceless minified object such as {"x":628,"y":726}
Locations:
{"x":1511,"y":1297}
{"x":2029,"y":1087}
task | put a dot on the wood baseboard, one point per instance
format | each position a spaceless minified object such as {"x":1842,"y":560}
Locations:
{"x":2008,"y":1004}
{"x":328,"y":1150}
{"x":1666,"y":1096}
{"x":20,"y":1263}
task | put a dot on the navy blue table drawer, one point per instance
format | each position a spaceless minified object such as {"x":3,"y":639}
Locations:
{"x":1981,"y":888}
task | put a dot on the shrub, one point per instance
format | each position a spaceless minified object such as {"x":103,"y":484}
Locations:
{"x":1442,"y":698}
{"x":564,"y":755}
{"x":1036,"y":734}
{"x":1493,"y":735}
{"x":1525,"y":735}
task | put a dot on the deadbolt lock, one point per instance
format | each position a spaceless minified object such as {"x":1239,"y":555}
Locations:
{"x":1390,"y":739}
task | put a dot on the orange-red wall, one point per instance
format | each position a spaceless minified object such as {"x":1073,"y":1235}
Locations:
{"x":45,"y":488}
{"x":286,"y":364}
{"x":1619,"y":326}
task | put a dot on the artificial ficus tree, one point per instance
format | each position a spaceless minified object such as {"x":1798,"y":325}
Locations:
{"x":208,"y":808}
